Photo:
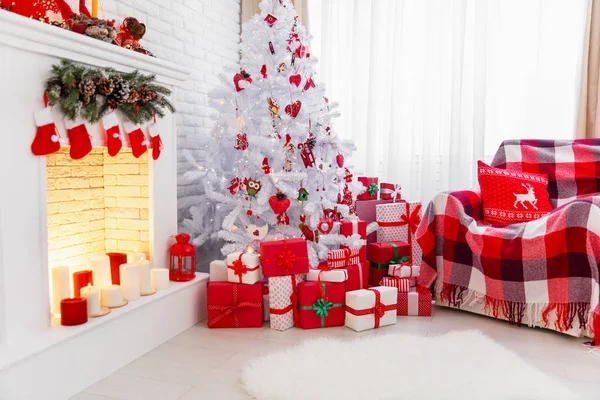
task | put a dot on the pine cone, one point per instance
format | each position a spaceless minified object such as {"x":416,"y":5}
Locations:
{"x":120,"y":91}
{"x":146,"y":95}
{"x":105,"y":86}
{"x":134,"y":96}
{"x":87,"y":88}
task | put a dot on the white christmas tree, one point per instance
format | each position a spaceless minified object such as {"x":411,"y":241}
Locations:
{"x":275,"y":168}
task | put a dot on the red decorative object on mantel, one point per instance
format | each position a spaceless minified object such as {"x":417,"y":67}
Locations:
{"x":73,"y":311}
{"x":82,"y":279}
{"x":183,"y":259}
{"x":116,"y":259}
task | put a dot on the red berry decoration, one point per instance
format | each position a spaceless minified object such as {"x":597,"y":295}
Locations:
{"x":249,"y":213}
{"x":293,"y":109}
{"x":241,"y":80}
{"x":340,"y":160}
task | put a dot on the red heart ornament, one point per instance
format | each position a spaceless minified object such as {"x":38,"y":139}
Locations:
{"x":296,"y":79}
{"x":293,"y":109}
{"x":340,"y":160}
{"x":241,"y":81}
{"x":279,"y":203}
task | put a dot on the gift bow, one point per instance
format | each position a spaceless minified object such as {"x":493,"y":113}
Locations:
{"x":239,"y":268}
{"x":322,"y":305}
{"x":285,"y":259}
{"x":394,"y":193}
{"x":372,"y":188}
{"x":403,"y":264}
{"x":395,"y":260}
{"x":378,"y":310}
{"x":231,"y":309}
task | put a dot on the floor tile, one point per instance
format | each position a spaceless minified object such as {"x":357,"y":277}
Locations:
{"x":91,"y":396}
{"x":195,"y":356}
{"x":127,"y":387}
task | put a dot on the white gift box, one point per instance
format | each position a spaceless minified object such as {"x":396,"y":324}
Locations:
{"x":218,"y":271}
{"x":362,"y":312}
{"x":243,"y":268}
{"x":338,"y":275}
{"x":281,"y":289}
{"x":404,"y":271}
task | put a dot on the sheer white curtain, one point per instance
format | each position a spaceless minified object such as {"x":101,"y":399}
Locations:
{"x":427,"y":87}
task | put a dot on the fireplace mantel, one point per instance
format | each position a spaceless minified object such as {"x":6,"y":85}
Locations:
{"x":29,"y":345}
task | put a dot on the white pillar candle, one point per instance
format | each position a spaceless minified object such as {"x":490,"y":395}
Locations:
{"x":145,"y":286}
{"x":159,"y":278}
{"x":112,"y":296}
{"x":100,"y":266}
{"x":61,"y":287}
{"x":92,"y":294}
{"x":135,"y":257}
{"x":130,"y":281}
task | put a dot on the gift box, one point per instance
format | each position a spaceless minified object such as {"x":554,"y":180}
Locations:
{"x":218,"y":271}
{"x":243,"y":268}
{"x":366,"y":211}
{"x":372,"y":185}
{"x":399,"y":221}
{"x":358,"y":276}
{"x":416,"y":302}
{"x":284,"y":257}
{"x":321,"y":304}
{"x":349,"y":227}
{"x":390,"y":191}
{"x":232,"y":305}
{"x":371,"y":308}
{"x":404,"y":270}
{"x":402,"y":284}
{"x":283,"y":299}
{"x":382,"y":254}
{"x":345,"y":257}
{"x":266,"y":313}
{"x":327,"y":275}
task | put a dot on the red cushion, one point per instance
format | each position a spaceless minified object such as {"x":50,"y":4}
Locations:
{"x":509,"y":197}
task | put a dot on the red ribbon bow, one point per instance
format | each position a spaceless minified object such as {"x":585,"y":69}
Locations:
{"x":378,"y":310}
{"x":399,"y":268}
{"x":239,"y":268}
{"x":286,"y":259}
{"x":231,"y":309}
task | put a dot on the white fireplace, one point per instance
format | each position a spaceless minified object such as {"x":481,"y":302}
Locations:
{"x":57,"y":211}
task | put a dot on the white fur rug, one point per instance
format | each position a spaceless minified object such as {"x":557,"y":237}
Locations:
{"x":458,"y":365}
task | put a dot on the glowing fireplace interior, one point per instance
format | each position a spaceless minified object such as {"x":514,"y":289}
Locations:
{"x":95,"y":205}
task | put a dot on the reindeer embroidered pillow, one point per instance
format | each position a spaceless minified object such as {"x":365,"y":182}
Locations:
{"x":510,"y":197}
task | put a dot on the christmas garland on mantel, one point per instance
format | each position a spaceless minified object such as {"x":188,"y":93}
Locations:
{"x":90,"y":93}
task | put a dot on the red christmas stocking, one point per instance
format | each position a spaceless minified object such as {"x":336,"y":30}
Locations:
{"x":79,"y":139}
{"x":46,"y":138}
{"x":137,"y":139}
{"x":113,"y":134}
{"x":157,"y":144}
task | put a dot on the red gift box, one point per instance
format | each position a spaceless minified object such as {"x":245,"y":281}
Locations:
{"x":390,"y":191}
{"x":284,"y":257}
{"x":382,"y":254}
{"x":399,"y":221}
{"x":341,"y":258}
{"x":358,"y":276}
{"x":321,"y":304}
{"x":234,"y":305}
{"x":366,"y":211}
{"x":349,"y":227}
{"x":372,"y":185}
{"x":417,"y":302}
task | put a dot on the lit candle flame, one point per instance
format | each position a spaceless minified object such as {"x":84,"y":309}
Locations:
{"x":250,"y":250}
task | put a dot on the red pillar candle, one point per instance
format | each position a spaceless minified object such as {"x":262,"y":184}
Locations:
{"x":81,"y":279}
{"x":116,"y":259}
{"x":73,"y":311}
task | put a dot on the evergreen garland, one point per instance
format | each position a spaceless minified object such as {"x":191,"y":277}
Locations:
{"x":91,"y":92}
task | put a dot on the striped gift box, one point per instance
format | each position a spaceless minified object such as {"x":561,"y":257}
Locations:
{"x":345,"y":257}
{"x":403,"y":284}
{"x":390,"y":191}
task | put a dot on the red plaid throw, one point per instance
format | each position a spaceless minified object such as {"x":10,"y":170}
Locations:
{"x":545,"y":266}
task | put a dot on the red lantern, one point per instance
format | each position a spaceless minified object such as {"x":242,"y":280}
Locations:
{"x":183,"y":259}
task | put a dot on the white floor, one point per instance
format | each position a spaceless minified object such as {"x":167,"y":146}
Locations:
{"x":204,"y":363}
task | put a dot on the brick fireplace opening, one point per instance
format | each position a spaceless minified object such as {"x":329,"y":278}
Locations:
{"x":95,"y":205}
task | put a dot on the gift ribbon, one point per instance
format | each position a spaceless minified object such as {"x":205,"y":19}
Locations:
{"x":231,"y":309}
{"x":325,"y":268}
{"x":393,"y":193}
{"x":372,"y":188}
{"x":239,"y":268}
{"x":395,"y":259}
{"x":322,"y":305}
{"x":398,"y":268}
{"x":293,"y":306}
{"x":379,"y":309}
{"x":409,"y":219}
{"x":285,"y":259}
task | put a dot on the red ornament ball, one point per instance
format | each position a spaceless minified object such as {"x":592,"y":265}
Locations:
{"x":249,"y":213}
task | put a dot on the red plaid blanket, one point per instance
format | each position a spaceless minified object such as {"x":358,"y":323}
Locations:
{"x":537,"y":268}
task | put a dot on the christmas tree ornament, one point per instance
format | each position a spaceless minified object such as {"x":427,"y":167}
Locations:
{"x":302,"y":217}
{"x":309,"y":234}
{"x":265,"y":166}
{"x":271,"y":48}
{"x":241,"y":142}
{"x":340,"y":160}
{"x":263,"y":71}
{"x":137,"y":139}
{"x":234,"y":185}
{"x":348,"y":176}
{"x":293,"y":109}
{"x":155,"y":141}
{"x":332,"y":213}
{"x":79,"y":139}
{"x":241,"y":80}
{"x":270,"y":20}
{"x":309,"y":84}
{"x":325,"y":225}
{"x":113,"y":134}
{"x":302,"y":194}
{"x":295,"y":79}
{"x":46,"y":140}
{"x":253,"y":187}
{"x":282,"y":68}
{"x":273,"y":106}
{"x":306,"y":153}
{"x":256,"y":232}
{"x":249,"y":212}
{"x":279,"y":204}
{"x":288,"y":166}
